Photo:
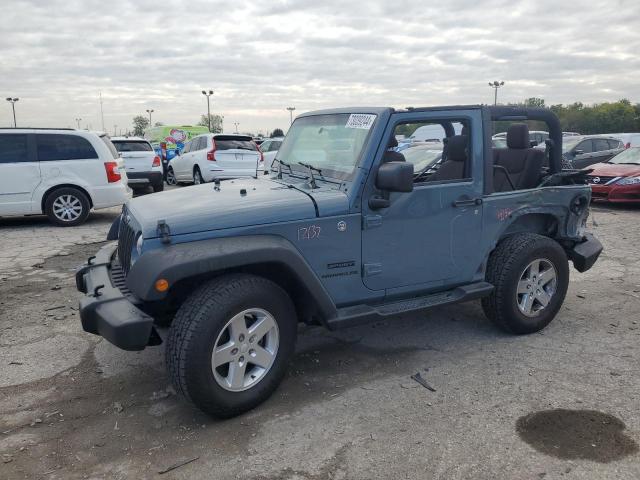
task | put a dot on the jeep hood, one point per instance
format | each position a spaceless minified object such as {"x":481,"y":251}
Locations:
{"x":238,"y":203}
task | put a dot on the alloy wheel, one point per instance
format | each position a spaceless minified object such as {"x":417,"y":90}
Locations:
{"x":245,"y":350}
{"x":536,"y":287}
{"x":67,"y":208}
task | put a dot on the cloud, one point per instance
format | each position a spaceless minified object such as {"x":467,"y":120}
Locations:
{"x":261,"y":57}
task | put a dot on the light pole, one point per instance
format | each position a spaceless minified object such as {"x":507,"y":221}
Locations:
{"x":115,"y":130}
{"x":150,"y":112}
{"x":78,"y":122}
{"x":495,"y":85}
{"x":13,"y":106}
{"x":208,"y":107}
{"x":291,"y":109}
{"x":236,"y":125}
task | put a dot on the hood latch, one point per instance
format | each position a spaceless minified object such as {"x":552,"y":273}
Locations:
{"x":164,"y":232}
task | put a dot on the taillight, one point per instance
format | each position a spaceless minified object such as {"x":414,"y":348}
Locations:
{"x":113,"y":175}
{"x":627,"y":145}
{"x":211,"y":155}
{"x":156,"y":161}
{"x":259,"y":151}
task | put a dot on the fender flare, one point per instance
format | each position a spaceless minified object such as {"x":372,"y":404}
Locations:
{"x":184,"y":260}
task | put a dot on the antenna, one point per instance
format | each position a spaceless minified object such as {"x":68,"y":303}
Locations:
{"x":101,"y":112}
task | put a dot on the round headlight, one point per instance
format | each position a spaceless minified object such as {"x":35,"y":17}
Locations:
{"x":139,"y":244}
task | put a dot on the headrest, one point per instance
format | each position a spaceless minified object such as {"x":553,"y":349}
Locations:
{"x":518,"y":136}
{"x":464,"y":130}
{"x":457,"y":148}
{"x":393,"y":142}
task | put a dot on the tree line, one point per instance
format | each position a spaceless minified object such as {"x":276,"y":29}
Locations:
{"x":609,"y":117}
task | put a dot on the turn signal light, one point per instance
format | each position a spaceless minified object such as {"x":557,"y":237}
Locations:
{"x":162,"y":285}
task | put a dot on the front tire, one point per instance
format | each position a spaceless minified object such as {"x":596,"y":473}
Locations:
{"x":530,"y":274}
{"x":171,"y":177}
{"x":230,"y":342}
{"x":67,"y":207}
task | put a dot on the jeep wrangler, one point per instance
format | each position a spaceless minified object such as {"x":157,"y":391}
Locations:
{"x":347,"y":227}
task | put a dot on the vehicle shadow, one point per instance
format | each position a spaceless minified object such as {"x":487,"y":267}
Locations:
{"x":95,"y":217}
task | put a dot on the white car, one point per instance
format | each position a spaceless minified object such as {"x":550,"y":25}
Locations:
{"x":269,"y":150}
{"x":142,"y":163}
{"x":215,"y":156}
{"x":62,"y":173}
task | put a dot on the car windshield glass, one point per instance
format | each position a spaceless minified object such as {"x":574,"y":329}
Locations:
{"x":332,"y":143}
{"x":569,"y":143}
{"x":421,"y":156}
{"x":628,"y":156}
{"x":130,"y":146}
{"x":235,"y":144}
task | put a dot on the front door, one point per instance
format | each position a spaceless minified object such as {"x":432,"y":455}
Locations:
{"x":427,"y":239}
{"x":19,"y":174}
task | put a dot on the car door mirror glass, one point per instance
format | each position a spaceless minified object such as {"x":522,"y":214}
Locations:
{"x":578,"y":152}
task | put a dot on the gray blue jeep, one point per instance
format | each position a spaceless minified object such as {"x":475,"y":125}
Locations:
{"x":343,"y":230}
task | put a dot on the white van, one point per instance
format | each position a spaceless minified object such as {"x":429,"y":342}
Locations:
{"x":62,"y":173}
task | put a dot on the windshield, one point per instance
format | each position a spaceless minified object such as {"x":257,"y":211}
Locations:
{"x":331,"y":143}
{"x":569,"y":143}
{"x":422,"y":156}
{"x":628,"y":156}
{"x":132,"y":146}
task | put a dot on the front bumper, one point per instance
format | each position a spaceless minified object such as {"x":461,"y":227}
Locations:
{"x":106,"y":311}
{"x":584,"y":254}
{"x":616,"y":193}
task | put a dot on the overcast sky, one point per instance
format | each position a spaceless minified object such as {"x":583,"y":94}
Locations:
{"x":260,"y":57}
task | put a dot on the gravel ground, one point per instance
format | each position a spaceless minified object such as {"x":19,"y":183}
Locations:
{"x":559,"y":404}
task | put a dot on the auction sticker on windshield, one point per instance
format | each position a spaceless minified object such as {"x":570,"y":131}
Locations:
{"x":360,"y":120}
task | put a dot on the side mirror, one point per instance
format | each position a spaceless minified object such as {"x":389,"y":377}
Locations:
{"x":178,"y":152}
{"x":395,"y":177}
{"x":578,"y":152}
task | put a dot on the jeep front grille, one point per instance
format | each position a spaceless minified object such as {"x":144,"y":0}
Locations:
{"x":126,"y":241}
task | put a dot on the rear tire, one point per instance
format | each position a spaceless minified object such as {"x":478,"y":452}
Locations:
{"x":197,"y":176}
{"x":205,"y":332}
{"x":530,"y":274}
{"x":67,"y":207}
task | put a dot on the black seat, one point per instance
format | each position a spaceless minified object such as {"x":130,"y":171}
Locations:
{"x":391,"y":155}
{"x":453,"y":167}
{"x":518,"y":166}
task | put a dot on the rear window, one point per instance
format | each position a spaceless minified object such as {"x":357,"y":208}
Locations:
{"x":235,"y":143}
{"x":13,"y":148}
{"x":109,"y":144}
{"x":63,"y":147}
{"x":131,"y":146}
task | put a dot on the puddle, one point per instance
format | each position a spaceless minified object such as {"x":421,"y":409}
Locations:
{"x":577,"y":434}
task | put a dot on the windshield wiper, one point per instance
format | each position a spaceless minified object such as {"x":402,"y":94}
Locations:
{"x":312,"y":179}
{"x":280,"y":164}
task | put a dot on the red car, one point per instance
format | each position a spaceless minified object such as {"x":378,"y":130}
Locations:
{"x":617,"y":180}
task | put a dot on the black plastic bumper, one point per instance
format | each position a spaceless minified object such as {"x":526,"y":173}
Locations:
{"x":142,"y":179}
{"x":105,"y":311}
{"x":585,"y":254}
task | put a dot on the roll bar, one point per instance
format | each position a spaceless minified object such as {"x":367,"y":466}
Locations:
{"x":535,"y":113}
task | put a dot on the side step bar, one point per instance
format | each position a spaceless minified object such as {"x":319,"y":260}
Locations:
{"x":360,"y":314}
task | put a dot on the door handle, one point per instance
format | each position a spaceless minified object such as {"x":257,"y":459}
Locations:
{"x":467,"y":202}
